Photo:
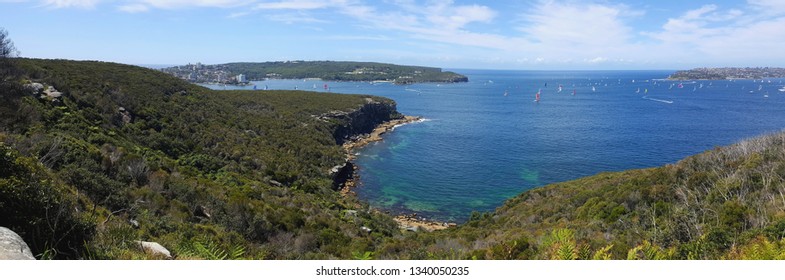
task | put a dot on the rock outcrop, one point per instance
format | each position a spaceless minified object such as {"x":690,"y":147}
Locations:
{"x":341,"y":174}
{"x":154,"y":249}
{"x":12,"y":247}
{"x":363,"y":120}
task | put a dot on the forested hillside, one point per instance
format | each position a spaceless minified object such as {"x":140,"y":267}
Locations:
{"x":115,"y":153}
{"x":325,"y":70}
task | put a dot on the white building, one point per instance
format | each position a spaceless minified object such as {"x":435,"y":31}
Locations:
{"x":241,"y":78}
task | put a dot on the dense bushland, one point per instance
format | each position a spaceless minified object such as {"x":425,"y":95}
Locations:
{"x":141,"y":155}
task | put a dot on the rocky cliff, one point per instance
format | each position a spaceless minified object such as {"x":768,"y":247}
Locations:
{"x":358,"y":124}
{"x":362,"y":121}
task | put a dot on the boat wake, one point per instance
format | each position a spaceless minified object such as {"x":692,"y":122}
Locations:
{"x":658,"y":100}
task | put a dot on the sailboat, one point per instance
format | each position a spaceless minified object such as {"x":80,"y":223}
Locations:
{"x":537,"y":97}
{"x":559,"y":89}
{"x":681,"y":85}
{"x":573,"y":91}
{"x":505,"y":93}
{"x":671,"y":86}
{"x":638,"y":91}
{"x":593,"y":89}
{"x":645,"y":91}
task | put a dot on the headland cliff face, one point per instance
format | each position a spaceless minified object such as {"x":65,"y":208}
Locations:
{"x":355,"y":125}
{"x":363,"y":120}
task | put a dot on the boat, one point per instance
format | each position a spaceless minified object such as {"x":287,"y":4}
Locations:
{"x":658,"y":100}
{"x":645,"y":91}
{"x":593,"y":89}
{"x":537,"y":97}
{"x":782,"y":89}
{"x":638,"y":91}
{"x":505,"y":93}
{"x":573,"y":91}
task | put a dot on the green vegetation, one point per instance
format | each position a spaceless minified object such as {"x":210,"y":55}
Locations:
{"x":124,"y":153}
{"x":127,"y":153}
{"x":325,"y":70}
{"x":728,"y":73}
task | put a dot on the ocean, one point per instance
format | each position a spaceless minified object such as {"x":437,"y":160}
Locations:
{"x":488,"y":140}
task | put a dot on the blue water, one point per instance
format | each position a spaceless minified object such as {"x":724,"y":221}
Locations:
{"x":479,"y":147}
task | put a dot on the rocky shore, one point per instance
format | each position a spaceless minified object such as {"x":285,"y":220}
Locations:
{"x":360,"y":141}
{"x":409,"y":222}
{"x":412,"y":222}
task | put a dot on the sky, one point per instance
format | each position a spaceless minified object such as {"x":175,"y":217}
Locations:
{"x":504,"y":34}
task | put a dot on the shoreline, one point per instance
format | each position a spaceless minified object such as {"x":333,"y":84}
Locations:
{"x":410,"y":222}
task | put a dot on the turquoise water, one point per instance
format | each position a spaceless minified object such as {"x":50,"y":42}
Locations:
{"x":479,"y":147}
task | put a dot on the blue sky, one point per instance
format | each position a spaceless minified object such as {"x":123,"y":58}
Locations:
{"x":546,"y":34}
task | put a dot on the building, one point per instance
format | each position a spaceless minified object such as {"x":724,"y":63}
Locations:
{"x":241,"y":78}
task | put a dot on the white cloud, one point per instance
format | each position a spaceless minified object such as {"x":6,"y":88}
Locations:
{"x":70,"y":3}
{"x":292,"y":18}
{"x":295,"y":5}
{"x":773,"y":6}
{"x":448,"y":16}
{"x":173,"y":4}
{"x":133,"y":8}
{"x":598,"y":59}
{"x":734,"y":36}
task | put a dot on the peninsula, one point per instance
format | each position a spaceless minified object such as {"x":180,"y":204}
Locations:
{"x":727,"y":73}
{"x":242,"y":72}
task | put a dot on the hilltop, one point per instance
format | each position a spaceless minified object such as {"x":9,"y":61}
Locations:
{"x":325,"y":70}
{"x":728,"y":73}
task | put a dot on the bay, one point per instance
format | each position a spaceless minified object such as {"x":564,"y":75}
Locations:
{"x":487,"y":140}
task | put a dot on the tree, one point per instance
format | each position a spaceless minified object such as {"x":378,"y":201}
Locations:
{"x":10,"y":89}
{"x":7,"y":51}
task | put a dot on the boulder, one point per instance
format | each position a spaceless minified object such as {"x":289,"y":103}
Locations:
{"x":52,"y":92}
{"x":12,"y":247}
{"x":154,"y":248}
{"x":35,"y":88}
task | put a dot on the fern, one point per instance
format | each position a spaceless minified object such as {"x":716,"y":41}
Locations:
{"x":362,"y":256}
{"x":561,"y":245}
{"x":647,"y":251}
{"x":603,"y":253}
{"x":209,"y":250}
{"x":763,"y":249}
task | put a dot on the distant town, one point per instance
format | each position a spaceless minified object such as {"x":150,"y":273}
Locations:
{"x":242,"y":73}
{"x":727,"y":73}
{"x":200,"y":73}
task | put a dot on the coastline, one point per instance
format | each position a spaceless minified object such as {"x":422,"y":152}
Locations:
{"x":362,"y":141}
{"x":409,"y":222}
